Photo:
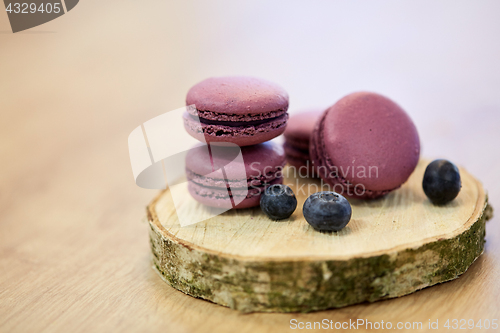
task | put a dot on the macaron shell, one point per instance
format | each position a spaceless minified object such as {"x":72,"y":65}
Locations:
{"x":240,"y":135}
{"x":219,"y":198}
{"x":300,"y":126}
{"x":297,"y":135}
{"x":314,"y":153}
{"x":301,"y":144}
{"x":299,"y":159}
{"x":296,"y":153}
{"x":237,"y":95}
{"x":323,"y":168}
{"x":304,"y":168}
{"x":253,"y":199}
{"x":211,"y":197}
{"x":258,"y":160}
{"x":262,"y":165}
{"x":364,"y":130}
{"x":220,"y":182}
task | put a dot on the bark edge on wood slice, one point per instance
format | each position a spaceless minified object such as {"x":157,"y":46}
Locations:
{"x":229,"y":259}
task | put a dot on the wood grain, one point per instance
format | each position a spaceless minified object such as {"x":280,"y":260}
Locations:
{"x":74,"y":254}
{"x":391,"y":247}
{"x":403,"y":219}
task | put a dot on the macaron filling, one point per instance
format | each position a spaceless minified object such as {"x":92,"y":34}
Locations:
{"x":233,"y":177}
{"x":249,"y":192}
{"x":230,"y":197}
{"x":238,"y":109}
{"x":211,"y":115}
{"x":219,"y":130}
{"x":251,"y":182}
{"x":234,"y":123}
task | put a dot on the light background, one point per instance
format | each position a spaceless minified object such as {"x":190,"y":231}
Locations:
{"x":73,"y":89}
{"x":440,"y":60}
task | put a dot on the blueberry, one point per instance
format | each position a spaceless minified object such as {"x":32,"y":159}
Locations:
{"x":327,"y":211}
{"x":278,"y":202}
{"x":441,"y":182}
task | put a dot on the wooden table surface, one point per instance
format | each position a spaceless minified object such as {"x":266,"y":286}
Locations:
{"x":74,"y":250}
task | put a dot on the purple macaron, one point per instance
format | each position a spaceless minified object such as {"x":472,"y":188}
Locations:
{"x":241,"y":110}
{"x":211,"y":174}
{"x":297,"y":134}
{"x":365,"y":146}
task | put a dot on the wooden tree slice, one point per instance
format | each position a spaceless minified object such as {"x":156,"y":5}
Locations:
{"x":391,"y":247}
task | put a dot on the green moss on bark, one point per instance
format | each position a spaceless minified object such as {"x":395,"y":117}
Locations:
{"x":303,"y":286}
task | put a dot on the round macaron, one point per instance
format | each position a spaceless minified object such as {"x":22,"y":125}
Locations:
{"x":297,"y":134}
{"x":217,"y":177}
{"x":241,"y":110}
{"x":365,"y":146}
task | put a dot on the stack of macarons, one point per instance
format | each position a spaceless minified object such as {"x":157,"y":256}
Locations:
{"x":209,"y":185}
{"x":242,"y":112}
{"x":364,"y":146}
